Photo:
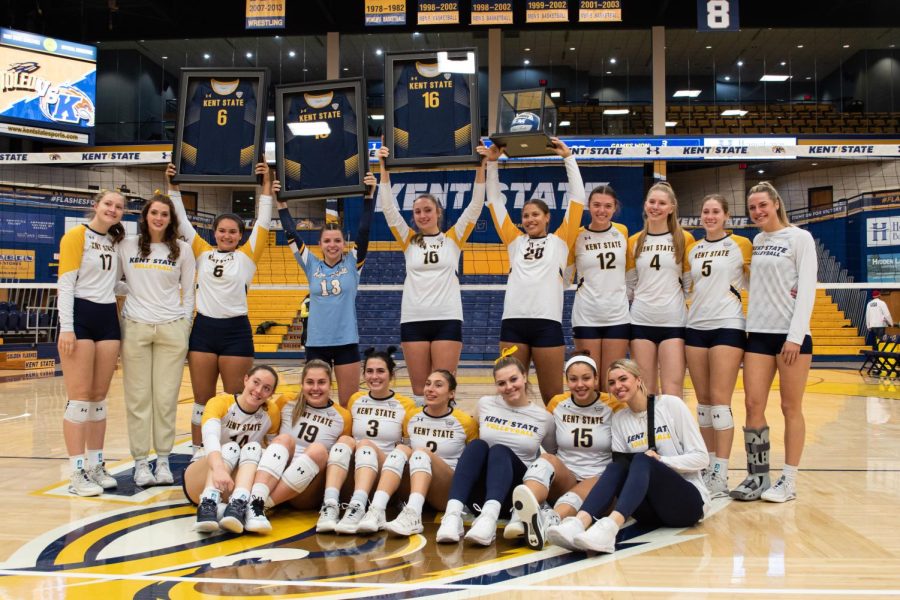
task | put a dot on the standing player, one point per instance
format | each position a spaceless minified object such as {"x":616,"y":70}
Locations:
{"x":156,"y":324}
{"x":715,"y":338}
{"x":512,"y":431}
{"x":582,"y":419}
{"x":289,"y":468}
{"x":878,"y":318}
{"x":657,"y":278}
{"x":533,"y":303}
{"x":221,"y":340}
{"x":437,"y":432}
{"x":782,"y":296}
{"x":89,"y":337}
{"x":600,"y":321}
{"x":377,"y":416}
{"x":234,"y":428}
{"x":431,"y":313}
{"x":333,"y":281}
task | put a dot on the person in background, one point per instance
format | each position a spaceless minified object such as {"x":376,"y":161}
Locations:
{"x":878,"y":318}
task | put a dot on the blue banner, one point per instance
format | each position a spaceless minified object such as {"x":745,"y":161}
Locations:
{"x":27,"y":227}
{"x":718,"y":15}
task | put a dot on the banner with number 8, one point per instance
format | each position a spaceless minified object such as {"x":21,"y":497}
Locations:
{"x":718,"y":15}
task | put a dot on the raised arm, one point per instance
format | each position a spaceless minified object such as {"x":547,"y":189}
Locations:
{"x":467,"y":220}
{"x":398,"y":226}
{"x":295,"y":243}
{"x":365,"y":220}
{"x":568,"y":230}
{"x":185,"y":229}
{"x":507,"y":231}
{"x":188,"y":266}
{"x":259,"y":237}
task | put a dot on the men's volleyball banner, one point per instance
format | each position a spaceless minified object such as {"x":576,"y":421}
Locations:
{"x":438,"y":12}
{"x":600,"y":11}
{"x":547,"y":11}
{"x":49,"y":88}
{"x":385,"y":12}
{"x":265,"y":14}
{"x":492,"y":13}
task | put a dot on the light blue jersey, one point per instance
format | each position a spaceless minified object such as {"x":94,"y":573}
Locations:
{"x":332,"y":293}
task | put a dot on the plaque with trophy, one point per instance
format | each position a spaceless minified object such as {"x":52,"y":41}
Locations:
{"x":527,"y":120}
{"x":431,"y":107}
{"x":320,"y":139}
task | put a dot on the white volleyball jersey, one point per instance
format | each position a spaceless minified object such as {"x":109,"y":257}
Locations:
{"x":379,"y":421}
{"x":657,"y":282}
{"x":783,"y":262}
{"x":535,"y":286}
{"x":601,"y":298}
{"x":160,"y":290}
{"x":719,"y":270}
{"x":88,"y":269}
{"x":431,"y":289}
{"x":522,"y":429}
{"x":324,"y":425}
{"x":446,"y":435}
{"x":678,"y":440}
{"x":223,"y":278}
{"x":225,"y":421}
{"x":583,"y":433}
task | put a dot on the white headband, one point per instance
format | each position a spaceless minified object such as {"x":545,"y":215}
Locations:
{"x":580,"y":358}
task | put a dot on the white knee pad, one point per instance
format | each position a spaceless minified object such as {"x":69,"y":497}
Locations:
{"x":704,"y":415}
{"x":570,"y":498}
{"x":366,"y":458}
{"x":231,"y":453}
{"x":394,"y":462}
{"x":274,"y":460}
{"x":98,"y":411}
{"x":420,"y":462}
{"x":300,"y":473}
{"x":722,"y":418}
{"x":197,"y":414}
{"x":340,"y":456}
{"x":77,"y":411}
{"x":250,"y":453}
{"x":540,"y":471}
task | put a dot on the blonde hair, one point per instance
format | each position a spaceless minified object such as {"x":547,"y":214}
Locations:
{"x":300,"y":406}
{"x":765,"y":187}
{"x":630,"y":367}
{"x":671,"y":222}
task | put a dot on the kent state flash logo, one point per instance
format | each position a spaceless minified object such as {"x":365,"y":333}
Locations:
{"x":149,"y":551}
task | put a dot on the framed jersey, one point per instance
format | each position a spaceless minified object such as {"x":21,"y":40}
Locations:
{"x":431,"y":107}
{"x":221,"y":124}
{"x":321,"y":142}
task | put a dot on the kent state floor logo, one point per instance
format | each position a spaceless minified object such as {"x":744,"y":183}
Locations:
{"x":150,"y":552}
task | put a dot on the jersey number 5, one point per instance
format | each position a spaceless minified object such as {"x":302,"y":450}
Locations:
{"x":706,"y":268}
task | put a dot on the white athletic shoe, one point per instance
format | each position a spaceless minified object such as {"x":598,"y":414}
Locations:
{"x":451,"y":528}
{"x":163,"y":474}
{"x":550,"y":517}
{"x":717,"y":486}
{"x":143,"y":476}
{"x":407,"y":523}
{"x":372,"y":522}
{"x":81,"y":485}
{"x":349,"y":523}
{"x":563,"y":535}
{"x":600,"y":537}
{"x":515,"y":528}
{"x":529,"y":510}
{"x":782,"y":491}
{"x":328,"y":517}
{"x":483,"y":530}
{"x":101,"y":476}
{"x":255,"y":519}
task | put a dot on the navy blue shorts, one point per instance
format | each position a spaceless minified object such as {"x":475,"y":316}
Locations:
{"x":97,"y":322}
{"x":707,"y":338}
{"x":771,"y":343}
{"x":431,"y":331}
{"x":610,"y":332}
{"x":657,"y":335}
{"x":334,"y":355}
{"x":536,"y":333}
{"x":222,"y":337}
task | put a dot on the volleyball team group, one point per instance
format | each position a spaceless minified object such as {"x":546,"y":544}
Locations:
{"x":570,"y":468}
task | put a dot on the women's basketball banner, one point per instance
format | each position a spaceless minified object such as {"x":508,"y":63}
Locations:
{"x":385,"y":12}
{"x":547,"y":11}
{"x":438,"y":12}
{"x":492,"y":12}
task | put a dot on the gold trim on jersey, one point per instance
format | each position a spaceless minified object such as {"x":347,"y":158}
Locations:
{"x":189,"y":153}
{"x":462,"y":135}
{"x":292,"y":169}
{"x":247,"y":155}
{"x":427,"y":69}
{"x":401,"y":138}
{"x":351,"y":166}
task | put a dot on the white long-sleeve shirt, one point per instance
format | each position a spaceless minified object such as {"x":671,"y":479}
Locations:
{"x":88,"y":269}
{"x":877,"y":314}
{"x":160,"y":290}
{"x":783,"y":261}
{"x":678,"y":440}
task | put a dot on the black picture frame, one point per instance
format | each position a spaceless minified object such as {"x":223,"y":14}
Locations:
{"x":355,"y":90}
{"x":393,"y":65}
{"x":255,"y":77}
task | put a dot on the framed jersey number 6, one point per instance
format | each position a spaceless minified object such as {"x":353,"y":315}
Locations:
{"x":221,"y":123}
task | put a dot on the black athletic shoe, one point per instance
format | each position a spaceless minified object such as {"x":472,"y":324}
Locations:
{"x":207,"y":517}
{"x":233,"y":519}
